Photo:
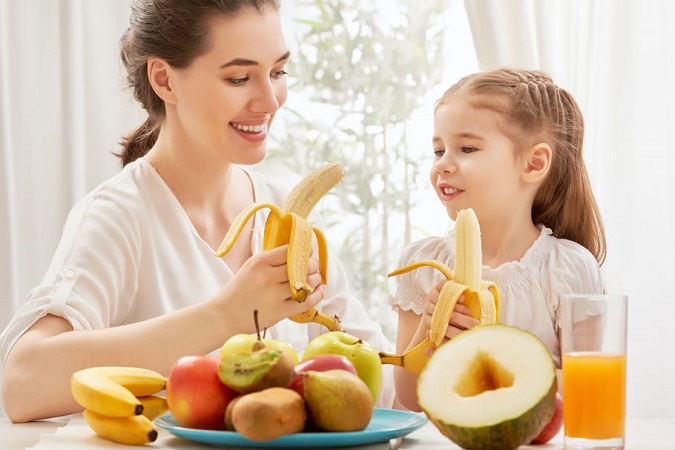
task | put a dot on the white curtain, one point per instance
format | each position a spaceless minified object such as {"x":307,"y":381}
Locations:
{"x":617,"y":57}
{"x":63,"y":109}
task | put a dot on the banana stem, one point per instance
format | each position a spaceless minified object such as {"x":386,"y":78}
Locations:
{"x":313,"y":315}
{"x":332,"y":323}
{"x":413,"y":360}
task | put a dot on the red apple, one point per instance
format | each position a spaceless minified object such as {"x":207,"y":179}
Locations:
{"x":319,"y":363}
{"x":195,"y":395}
{"x":553,"y":426}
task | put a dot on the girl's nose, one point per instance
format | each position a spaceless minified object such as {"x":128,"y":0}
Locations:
{"x":445,"y":164}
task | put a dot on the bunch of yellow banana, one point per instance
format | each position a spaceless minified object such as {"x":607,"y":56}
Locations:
{"x":481,"y":297}
{"x":120,"y":402}
{"x":289,"y":225}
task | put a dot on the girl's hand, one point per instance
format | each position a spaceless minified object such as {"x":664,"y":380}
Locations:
{"x":430,"y":304}
{"x":262,"y":283}
{"x":460,"y":320}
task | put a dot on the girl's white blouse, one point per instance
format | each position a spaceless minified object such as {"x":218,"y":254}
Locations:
{"x":529,"y":289}
{"x":129,"y":253}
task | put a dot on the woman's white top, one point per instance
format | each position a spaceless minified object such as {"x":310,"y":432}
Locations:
{"x":129,"y":253}
{"x":529,"y":289}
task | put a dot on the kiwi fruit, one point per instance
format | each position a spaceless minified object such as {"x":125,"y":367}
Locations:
{"x":259,"y":369}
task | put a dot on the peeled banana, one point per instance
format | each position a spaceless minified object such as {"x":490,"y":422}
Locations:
{"x":289,"y":225}
{"x":120,"y":402}
{"x":481,"y":297}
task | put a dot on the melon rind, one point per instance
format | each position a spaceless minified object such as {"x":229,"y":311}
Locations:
{"x":502,"y":433}
{"x":507,"y":435}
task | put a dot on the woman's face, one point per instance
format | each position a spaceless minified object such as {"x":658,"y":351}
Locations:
{"x":226,"y":99}
{"x":475,"y":164}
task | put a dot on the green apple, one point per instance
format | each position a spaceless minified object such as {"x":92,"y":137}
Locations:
{"x":365,"y":358}
{"x":241,"y":343}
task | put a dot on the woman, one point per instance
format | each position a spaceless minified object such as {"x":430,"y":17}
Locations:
{"x":134,"y":281}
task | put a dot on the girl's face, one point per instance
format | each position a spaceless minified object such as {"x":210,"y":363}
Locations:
{"x":475,"y":164}
{"x":226,"y":99}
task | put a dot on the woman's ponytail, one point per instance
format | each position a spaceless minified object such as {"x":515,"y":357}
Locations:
{"x":139,"y":142}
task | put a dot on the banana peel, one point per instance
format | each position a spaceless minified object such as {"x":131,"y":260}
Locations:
{"x":289,"y":225}
{"x":481,"y":297}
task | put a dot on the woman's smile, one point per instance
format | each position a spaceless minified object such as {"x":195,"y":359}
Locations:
{"x":254,"y":132}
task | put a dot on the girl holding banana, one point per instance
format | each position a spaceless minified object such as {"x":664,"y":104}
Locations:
{"x":507,"y":144}
{"x":135,"y":280}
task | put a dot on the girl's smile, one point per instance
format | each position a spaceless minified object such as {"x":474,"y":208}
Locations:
{"x":447,"y":192}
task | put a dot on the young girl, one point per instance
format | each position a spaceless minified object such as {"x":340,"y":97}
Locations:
{"x":507,"y":143}
{"x":134,"y":281}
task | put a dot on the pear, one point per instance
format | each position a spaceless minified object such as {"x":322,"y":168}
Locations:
{"x":337,"y":400}
{"x":229,"y":423}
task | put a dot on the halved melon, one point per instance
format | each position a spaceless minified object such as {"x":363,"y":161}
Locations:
{"x":492,"y":387}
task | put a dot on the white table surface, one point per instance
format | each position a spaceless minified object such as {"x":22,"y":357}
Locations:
{"x":72,"y":433}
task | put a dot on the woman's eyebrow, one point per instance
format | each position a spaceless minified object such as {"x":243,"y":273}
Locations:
{"x":250,"y":62}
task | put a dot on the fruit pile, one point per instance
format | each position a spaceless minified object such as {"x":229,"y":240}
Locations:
{"x":258,"y":388}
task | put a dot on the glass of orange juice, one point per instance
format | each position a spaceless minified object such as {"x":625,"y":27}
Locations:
{"x":593,"y":345}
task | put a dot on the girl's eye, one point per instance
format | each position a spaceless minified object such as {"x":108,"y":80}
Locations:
{"x":237,"y":81}
{"x":439,"y":152}
{"x":468,"y":149}
{"x":279,"y":73}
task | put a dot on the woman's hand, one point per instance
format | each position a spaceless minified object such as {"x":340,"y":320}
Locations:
{"x":262,"y":283}
{"x":460,"y":320}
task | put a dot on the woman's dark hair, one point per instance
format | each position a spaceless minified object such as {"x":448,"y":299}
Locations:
{"x":174,"y":30}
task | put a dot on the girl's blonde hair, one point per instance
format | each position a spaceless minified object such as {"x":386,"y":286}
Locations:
{"x":538,"y":108}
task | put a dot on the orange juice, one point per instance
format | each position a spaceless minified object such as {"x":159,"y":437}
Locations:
{"x":594,"y":395}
